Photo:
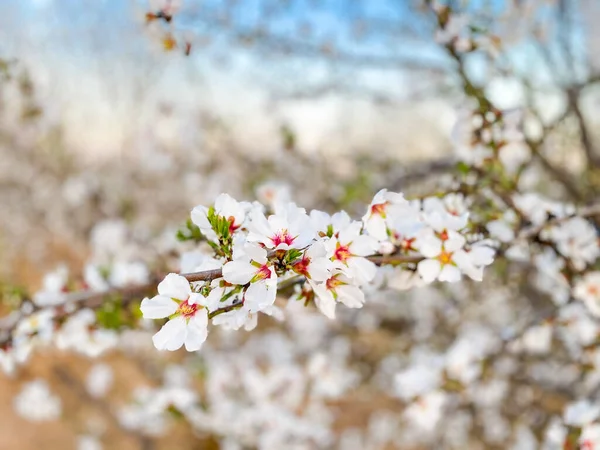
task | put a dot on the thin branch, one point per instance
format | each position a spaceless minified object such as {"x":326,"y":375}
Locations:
{"x":130,"y":294}
{"x":560,"y":175}
{"x":207,"y":275}
{"x":422,"y":171}
{"x":584,"y":134}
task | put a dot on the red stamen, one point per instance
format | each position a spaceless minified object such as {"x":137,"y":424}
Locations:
{"x":379,"y":209}
{"x":332,"y":283}
{"x":342,"y":253}
{"x":301,"y":267}
{"x":283,"y":237}
{"x":263,"y":273}
{"x":232,"y":225}
{"x":187,"y":310}
{"x":407,"y":244}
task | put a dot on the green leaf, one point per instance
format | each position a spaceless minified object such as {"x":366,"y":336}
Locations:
{"x":463,"y":168}
{"x":190,"y":232}
{"x":110,"y":316}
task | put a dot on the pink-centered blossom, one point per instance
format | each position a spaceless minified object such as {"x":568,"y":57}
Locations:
{"x":251,"y":266}
{"x":288,"y":228}
{"x":187,"y":312}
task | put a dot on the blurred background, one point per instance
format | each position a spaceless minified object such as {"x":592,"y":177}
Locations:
{"x":109,"y":114}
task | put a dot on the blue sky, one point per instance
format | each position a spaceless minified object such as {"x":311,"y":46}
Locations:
{"x":99,"y":66}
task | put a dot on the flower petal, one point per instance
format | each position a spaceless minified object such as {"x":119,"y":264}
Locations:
{"x":351,"y":296}
{"x":455,"y":241}
{"x":450,"y":274}
{"x":158,"y":307}
{"x":175,"y":286}
{"x":320,"y":269}
{"x":197,"y":331}
{"x":429,"y":269}
{"x":324,"y":300}
{"x":376,"y":227}
{"x":172,"y":335}
{"x":364,"y":246}
{"x":259,"y":295}
{"x":238,"y":272}
{"x":350,"y":233}
{"x":199,"y":217}
{"x":362,"y":269}
{"x":429,"y":246}
{"x":251,"y":322}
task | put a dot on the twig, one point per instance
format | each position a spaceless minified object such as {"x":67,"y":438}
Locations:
{"x":129,"y":294}
{"x":584,"y":134}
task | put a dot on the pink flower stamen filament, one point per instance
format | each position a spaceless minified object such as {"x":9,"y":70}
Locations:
{"x":342,"y":252}
{"x":188,"y":310}
{"x":283,"y":237}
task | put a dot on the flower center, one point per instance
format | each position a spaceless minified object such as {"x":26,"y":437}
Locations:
{"x":301,"y":267}
{"x":283,"y":237}
{"x":333,"y":282}
{"x":186,"y":309}
{"x":232,"y":225}
{"x":444,"y":235}
{"x":407,"y":244}
{"x":593,"y":290}
{"x":445,"y":257}
{"x":262,"y":273}
{"x":342,"y":252}
{"x":379,"y":209}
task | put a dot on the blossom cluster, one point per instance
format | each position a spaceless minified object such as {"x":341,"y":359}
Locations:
{"x":331,"y":257}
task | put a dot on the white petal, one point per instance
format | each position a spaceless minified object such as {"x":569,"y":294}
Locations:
{"x":158,"y":307}
{"x":351,"y":296}
{"x":320,"y":269}
{"x":454,"y":242}
{"x":429,"y":269}
{"x":465,"y":263}
{"x":457,"y":222}
{"x":175,"y":286}
{"x":304,"y":238}
{"x":351,"y":232}
{"x":320,"y":220}
{"x":227,"y":206}
{"x":251,"y":322}
{"x":364,"y":246}
{"x":259,"y":295}
{"x":256,"y":252}
{"x":259,"y":224}
{"x":450,"y":274}
{"x":362,"y":269}
{"x":197,"y":331}
{"x":483,"y":255}
{"x":199,"y":217}
{"x":219,"y":201}
{"x":238,"y":272}
{"x":340,"y":220}
{"x":317,"y":250}
{"x":429,"y":246}
{"x":324,"y":300}
{"x":213,"y":300}
{"x":436,"y":221}
{"x":277,"y":224}
{"x":172,"y":335}
{"x":376,"y":227}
